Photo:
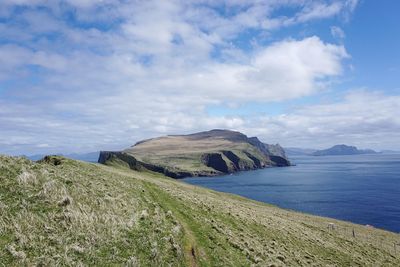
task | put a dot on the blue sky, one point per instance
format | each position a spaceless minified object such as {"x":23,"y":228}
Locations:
{"x":88,"y":75}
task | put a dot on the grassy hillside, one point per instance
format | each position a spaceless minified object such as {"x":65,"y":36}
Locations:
{"x":208,"y":153}
{"x":66,"y":212}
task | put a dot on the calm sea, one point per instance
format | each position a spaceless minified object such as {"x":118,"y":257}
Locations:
{"x":363,"y":189}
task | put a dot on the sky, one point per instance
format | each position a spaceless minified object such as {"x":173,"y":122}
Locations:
{"x":89,"y":75}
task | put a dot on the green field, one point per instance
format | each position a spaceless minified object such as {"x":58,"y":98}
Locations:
{"x":70,"y":213}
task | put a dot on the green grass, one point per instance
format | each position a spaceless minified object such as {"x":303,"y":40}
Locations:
{"x":86,"y":214}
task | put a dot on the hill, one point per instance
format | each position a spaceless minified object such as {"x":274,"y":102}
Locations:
{"x":65,"y":212}
{"x":208,"y":153}
{"x":342,"y":150}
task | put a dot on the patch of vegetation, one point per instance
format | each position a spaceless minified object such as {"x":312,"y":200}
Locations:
{"x":75,"y":213}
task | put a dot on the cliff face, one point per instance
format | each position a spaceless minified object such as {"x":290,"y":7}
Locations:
{"x":275,"y":152}
{"x":209,"y":153}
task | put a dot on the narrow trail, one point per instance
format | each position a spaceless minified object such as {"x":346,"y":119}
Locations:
{"x":190,"y":248}
{"x":190,"y":245}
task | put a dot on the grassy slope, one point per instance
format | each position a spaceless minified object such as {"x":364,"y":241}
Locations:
{"x":183,"y":153}
{"x":86,"y":214}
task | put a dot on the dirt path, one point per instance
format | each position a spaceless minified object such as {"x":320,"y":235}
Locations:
{"x":169,"y":205}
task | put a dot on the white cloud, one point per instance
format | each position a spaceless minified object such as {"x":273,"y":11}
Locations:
{"x":337,"y":32}
{"x":313,"y":10}
{"x":122,"y":70}
{"x":362,"y":118}
{"x":320,"y":10}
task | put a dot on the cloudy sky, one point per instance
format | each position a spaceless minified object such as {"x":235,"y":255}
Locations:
{"x":88,"y":75}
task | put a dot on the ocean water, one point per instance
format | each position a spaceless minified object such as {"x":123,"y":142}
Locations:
{"x":363,"y":189}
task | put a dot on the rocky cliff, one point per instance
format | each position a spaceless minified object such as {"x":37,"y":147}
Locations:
{"x":208,"y":153}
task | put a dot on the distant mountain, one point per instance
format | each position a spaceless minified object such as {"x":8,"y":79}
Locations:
{"x":207,"y":153}
{"x":88,"y":157}
{"x":296,"y":151}
{"x":342,"y":150}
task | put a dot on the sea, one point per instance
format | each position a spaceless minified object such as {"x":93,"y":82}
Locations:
{"x":363,"y":189}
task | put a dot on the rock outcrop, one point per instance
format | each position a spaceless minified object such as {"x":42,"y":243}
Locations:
{"x":215,"y":161}
{"x":276,"y":152}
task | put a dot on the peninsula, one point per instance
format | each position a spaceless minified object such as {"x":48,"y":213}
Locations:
{"x":209,"y":153}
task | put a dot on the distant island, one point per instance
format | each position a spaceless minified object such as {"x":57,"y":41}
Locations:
{"x":209,"y":153}
{"x":343,"y":150}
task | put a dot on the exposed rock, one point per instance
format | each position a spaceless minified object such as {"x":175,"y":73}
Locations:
{"x":275,"y":152}
{"x":241,"y":164}
{"x":237,"y":164}
{"x":256,"y":161}
{"x":52,"y":159}
{"x":106,"y":156}
{"x":215,"y":161}
{"x":280,"y":161}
